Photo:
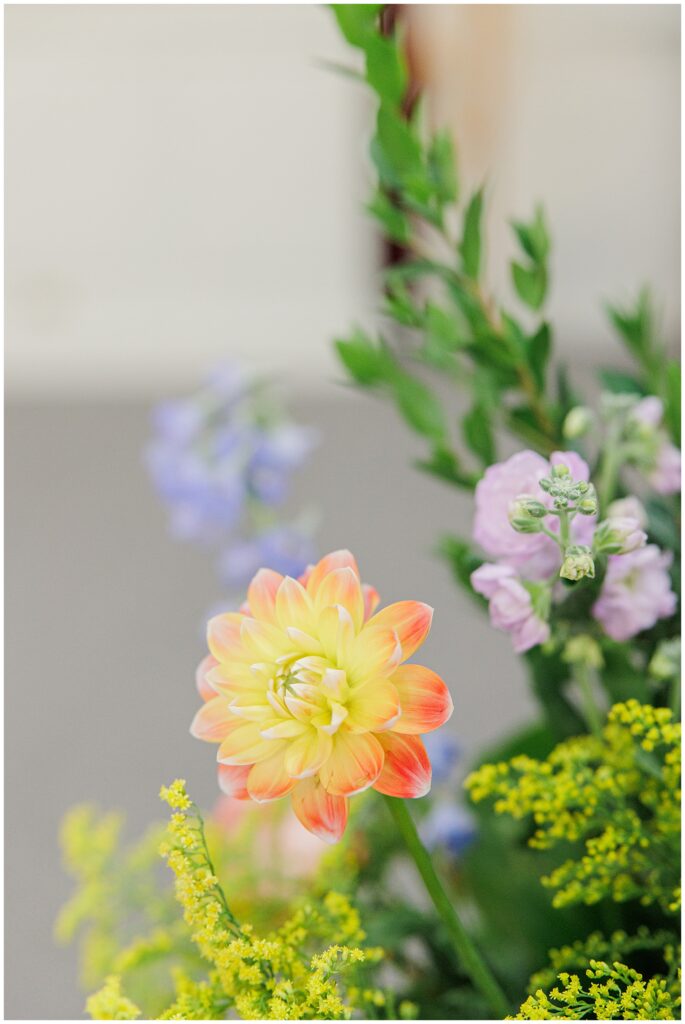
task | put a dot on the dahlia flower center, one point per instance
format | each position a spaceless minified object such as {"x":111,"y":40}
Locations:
{"x":310,"y":690}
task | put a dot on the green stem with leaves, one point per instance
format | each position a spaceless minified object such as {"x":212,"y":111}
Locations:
{"x":469,"y":957}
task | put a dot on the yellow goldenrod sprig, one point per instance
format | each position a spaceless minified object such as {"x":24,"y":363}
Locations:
{"x":611,"y":992}
{"x":618,"y":793}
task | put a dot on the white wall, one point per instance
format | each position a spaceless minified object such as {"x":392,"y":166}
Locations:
{"x":185,"y":182}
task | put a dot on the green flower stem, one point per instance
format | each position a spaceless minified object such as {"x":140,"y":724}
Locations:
{"x":593,"y":716}
{"x":564,"y":529}
{"x":469,"y":957}
{"x":611,"y":463}
{"x":674,"y":696}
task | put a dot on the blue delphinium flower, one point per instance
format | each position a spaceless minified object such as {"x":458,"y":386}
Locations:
{"x":449,"y":827}
{"x":285,"y":549}
{"x":222,"y":462}
{"x":444,"y":752}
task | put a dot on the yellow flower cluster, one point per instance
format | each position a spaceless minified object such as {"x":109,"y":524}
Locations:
{"x":618,"y":794}
{"x":618,"y":946}
{"x":110,"y":1004}
{"x":611,"y":992}
{"x":280,"y":977}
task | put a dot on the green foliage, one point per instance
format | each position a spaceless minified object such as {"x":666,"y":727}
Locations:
{"x":460,"y":329}
{"x":616,"y":796}
{"x":470,"y":245}
{"x":659,"y":375}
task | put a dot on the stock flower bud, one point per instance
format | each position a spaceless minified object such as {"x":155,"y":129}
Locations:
{"x":619,"y":535}
{"x":588,"y":506}
{"x":578,"y":562}
{"x":578,"y":422}
{"x":526,"y":514}
{"x":666,"y":661}
{"x":560,"y":469}
{"x":583,"y":650}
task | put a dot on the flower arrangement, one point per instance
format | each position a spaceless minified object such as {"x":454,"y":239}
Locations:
{"x":551,"y":879}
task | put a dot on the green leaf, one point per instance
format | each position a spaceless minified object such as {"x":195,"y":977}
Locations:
{"x":672,"y":396}
{"x":530,"y":283}
{"x":395,"y":223}
{"x":395,"y":149}
{"x":400,"y":306}
{"x":477,"y":430}
{"x":368,"y":364}
{"x":442,"y":326}
{"x":635,"y":325}
{"x":533,"y":237}
{"x":441,"y":168}
{"x":470,"y":246}
{"x":385,"y":70}
{"x":444,"y":464}
{"x":620,"y":383}
{"x":357,"y":21}
{"x":419,"y":406}
{"x":539,"y":349}
{"x":462,"y":560}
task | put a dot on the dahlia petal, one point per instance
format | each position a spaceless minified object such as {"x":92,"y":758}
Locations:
{"x":213,"y":720}
{"x":305,"y":643}
{"x":236,"y":681}
{"x":246,"y":745}
{"x":261,"y":594}
{"x":336,"y":560}
{"x":374,"y":654}
{"x":285,"y":729}
{"x":354,"y":764}
{"x":336,"y":632}
{"x":411,"y":620}
{"x":373,"y":707}
{"x":204,"y":687}
{"x":425,"y":699}
{"x":305,"y":755}
{"x":320,"y":812}
{"x":406,"y":769}
{"x":371,"y":600}
{"x":223,"y":635}
{"x":262,"y":640}
{"x":269,"y":780}
{"x":294,"y":607}
{"x":233,"y":780}
{"x":342,"y":587}
{"x":242,"y":707}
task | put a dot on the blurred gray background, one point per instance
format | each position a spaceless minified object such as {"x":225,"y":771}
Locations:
{"x":184,"y":184}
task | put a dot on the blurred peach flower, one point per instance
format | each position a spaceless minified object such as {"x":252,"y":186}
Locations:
{"x":306,"y":694}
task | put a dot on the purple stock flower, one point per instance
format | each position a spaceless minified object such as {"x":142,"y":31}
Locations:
{"x":511,"y":605}
{"x":533,"y":554}
{"x":665,"y":478}
{"x":665,"y":472}
{"x":636,"y":592}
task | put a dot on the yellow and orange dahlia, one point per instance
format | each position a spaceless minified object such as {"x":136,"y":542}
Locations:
{"x":306,"y":693}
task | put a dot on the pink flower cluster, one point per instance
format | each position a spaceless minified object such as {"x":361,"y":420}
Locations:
{"x":511,"y":605}
{"x":665,"y":473}
{"x":636,"y":591}
{"x":520,"y":557}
